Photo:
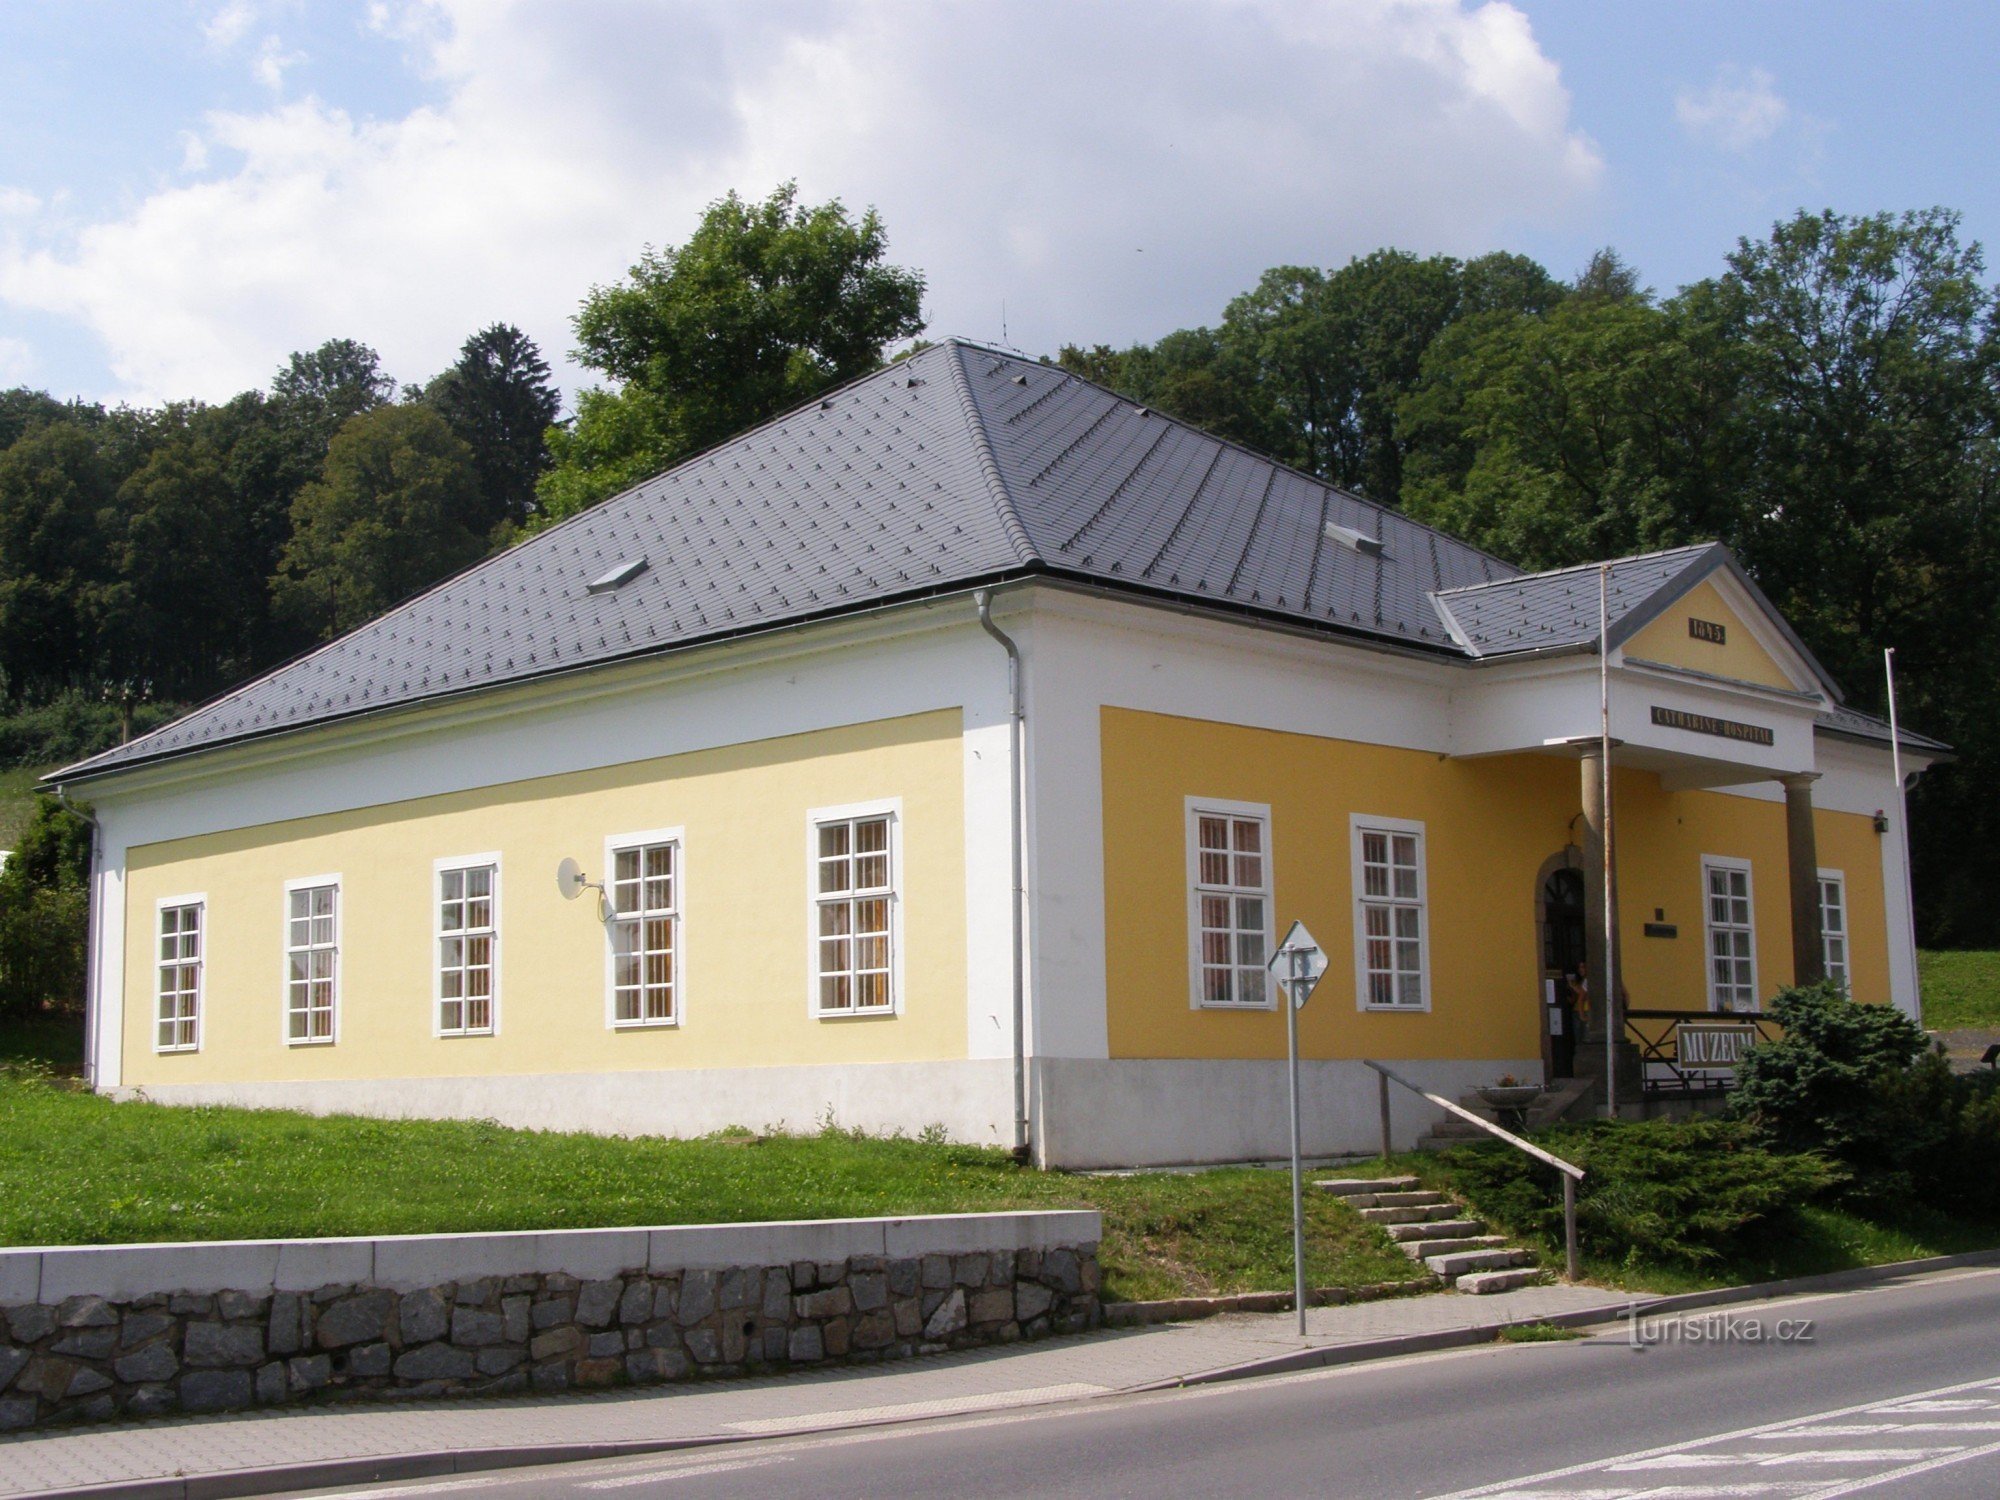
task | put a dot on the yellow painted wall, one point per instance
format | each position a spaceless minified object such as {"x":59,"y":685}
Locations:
{"x":1739,"y":656}
{"x":744,"y":924}
{"x":1490,"y":824}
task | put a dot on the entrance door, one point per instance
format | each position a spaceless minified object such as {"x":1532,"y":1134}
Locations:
{"x":1562,"y":957}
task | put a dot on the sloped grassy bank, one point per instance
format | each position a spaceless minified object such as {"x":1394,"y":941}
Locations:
{"x":79,"y":1169}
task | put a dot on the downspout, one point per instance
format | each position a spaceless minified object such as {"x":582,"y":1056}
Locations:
{"x":91,"y":1006}
{"x":1017,"y":722}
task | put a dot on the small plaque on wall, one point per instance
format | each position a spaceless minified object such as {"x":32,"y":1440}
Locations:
{"x":1708,"y":630}
{"x":1662,"y":929}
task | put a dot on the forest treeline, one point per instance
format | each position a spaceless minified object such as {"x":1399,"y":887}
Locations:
{"x":1826,"y":405}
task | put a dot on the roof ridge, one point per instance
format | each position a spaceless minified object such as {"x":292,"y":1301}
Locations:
{"x":1582,"y":567}
{"x":989,"y":466}
{"x":1380,"y":508}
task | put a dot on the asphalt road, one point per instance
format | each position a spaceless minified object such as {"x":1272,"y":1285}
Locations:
{"x":1891,"y":1392}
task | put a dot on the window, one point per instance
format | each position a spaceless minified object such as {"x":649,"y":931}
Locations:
{"x":1391,"y":938}
{"x":1732,"y":939}
{"x":312,"y":960}
{"x":854,"y":900}
{"x":644,"y":927}
{"x":468,"y":943}
{"x":1833,"y":924}
{"x":1229,"y":857}
{"x":179,"y":1012}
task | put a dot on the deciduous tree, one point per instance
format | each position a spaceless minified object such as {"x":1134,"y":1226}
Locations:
{"x":765,"y":306}
{"x":396,"y":510}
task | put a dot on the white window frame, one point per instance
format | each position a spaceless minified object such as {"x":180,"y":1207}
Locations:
{"x":1708,"y":928}
{"x":891,"y":808}
{"x":1223,"y":807}
{"x":1357,"y":825}
{"x":678,"y":979}
{"x":1838,"y":880}
{"x":439,"y":869}
{"x":285,"y":951}
{"x":199,"y":901}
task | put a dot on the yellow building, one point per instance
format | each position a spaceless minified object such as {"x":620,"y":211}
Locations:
{"x":950,"y":752}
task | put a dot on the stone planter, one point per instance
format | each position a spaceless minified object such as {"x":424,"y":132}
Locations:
{"x":1511,"y":1097}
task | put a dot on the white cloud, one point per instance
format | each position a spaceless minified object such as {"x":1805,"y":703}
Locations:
{"x":18,"y":203}
{"x":268,"y":67}
{"x":1738,"y":110}
{"x":1022,"y":154}
{"x":17,"y":363}
{"x":229,"y":24}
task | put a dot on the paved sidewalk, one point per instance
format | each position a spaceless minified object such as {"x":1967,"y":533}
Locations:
{"x":1019,"y":1375}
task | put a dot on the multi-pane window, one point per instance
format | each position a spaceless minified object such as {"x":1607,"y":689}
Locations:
{"x":1732,"y":938}
{"x":1232,"y":905}
{"x":645,"y":933}
{"x":854,"y":898}
{"x":468,"y":936}
{"x":312,"y":961}
{"x":1389,"y":913}
{"x":1833,"y":924}
{"x":179,"y":991}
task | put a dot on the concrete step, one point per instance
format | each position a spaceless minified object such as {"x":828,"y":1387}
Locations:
{"x":1436,"y":1229}
{"x":1420,"y":1214}
{"x":1418,"y":1198}
{"x":1463,"y":1129}
{"x":1569,"y":1100}
{"x":1425,"y":1249}
{"x":1481,"y":1283}
{"x":1450,"y":1266}
{"x":1349,"y":1187}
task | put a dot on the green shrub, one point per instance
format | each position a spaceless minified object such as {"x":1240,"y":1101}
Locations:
{"x":45,"y":914}
{"x":1954,"y":1119}
{"x":1861,"y":1085}
{"x":1687,"y":1192}
{"x":70,"y":726}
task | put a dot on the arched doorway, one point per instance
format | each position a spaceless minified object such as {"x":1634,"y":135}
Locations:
{"x":1559,"y":919}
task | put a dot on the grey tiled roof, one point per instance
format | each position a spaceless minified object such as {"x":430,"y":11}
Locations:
{"x":959,"y":465}
{"x":1559,"y":609}
{"x":1541,"y":611}
{"x":1854,"y":724}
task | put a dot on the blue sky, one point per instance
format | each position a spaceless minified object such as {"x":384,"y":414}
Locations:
{"x":188,"y":191}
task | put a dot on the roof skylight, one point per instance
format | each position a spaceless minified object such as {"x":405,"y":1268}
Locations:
{"x":619,"y":576}
{"x":1359,"y":541}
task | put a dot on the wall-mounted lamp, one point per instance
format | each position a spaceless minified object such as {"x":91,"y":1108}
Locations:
{"x":1881,"y":821}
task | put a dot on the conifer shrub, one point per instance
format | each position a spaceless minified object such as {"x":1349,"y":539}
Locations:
{"x":1691,"y":1193}
{"x":1863,"y":1086}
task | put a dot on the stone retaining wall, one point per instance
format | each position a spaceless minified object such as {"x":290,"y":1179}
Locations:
{"x":524,"y":1312}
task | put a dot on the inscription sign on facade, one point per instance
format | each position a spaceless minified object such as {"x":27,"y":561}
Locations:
{"x":1728,"y":729}
{"x":1708,"y":630}
{"x":1713,"y":1045}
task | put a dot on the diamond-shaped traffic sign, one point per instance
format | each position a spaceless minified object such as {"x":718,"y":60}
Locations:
{"x":1298,"y":964}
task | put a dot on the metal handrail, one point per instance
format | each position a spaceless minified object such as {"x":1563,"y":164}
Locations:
{"x":1572,"y":1174}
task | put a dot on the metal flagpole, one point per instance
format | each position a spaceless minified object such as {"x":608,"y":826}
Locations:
{"x":1902,"y":813}
{"x":1299,"y":959}
{"x":1609,"y":978}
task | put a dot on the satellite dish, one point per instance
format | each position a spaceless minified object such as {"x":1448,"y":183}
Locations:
{"x":569,"y":879}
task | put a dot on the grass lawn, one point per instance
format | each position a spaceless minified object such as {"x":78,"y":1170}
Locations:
{"x":79,"y":1169}
{"x":1961,"y":988}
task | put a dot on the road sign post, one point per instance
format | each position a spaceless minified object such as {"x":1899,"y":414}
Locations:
{"x":1297,"y":966}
